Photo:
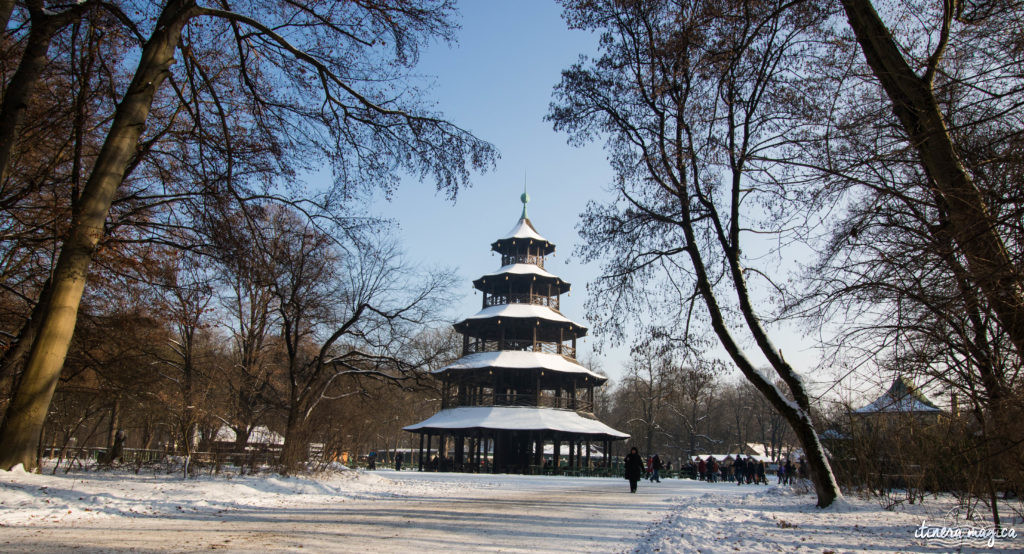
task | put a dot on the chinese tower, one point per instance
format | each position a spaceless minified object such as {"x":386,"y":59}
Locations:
{"x":517,"y":390}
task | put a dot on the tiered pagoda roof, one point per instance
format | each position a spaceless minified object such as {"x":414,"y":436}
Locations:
{"x":518,"y":383}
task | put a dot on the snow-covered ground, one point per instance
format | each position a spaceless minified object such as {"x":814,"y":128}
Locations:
{"x":400,"y":512}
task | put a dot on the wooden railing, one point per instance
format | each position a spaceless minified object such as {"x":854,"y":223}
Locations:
{"x":525,"y":298}
{"x":523,"y":259}
{"x":563,"y":402}
{"x":475,"y":346}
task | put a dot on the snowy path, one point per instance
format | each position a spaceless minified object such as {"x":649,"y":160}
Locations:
{"x":394,"y":512}
{"x":385,"y":511}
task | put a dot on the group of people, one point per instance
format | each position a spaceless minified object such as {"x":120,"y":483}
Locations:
{"x":371,"y":461}
{"x":750,"y":471}
{"x":739,"y":470}
{"x":788,"y":472}
{"x":744,"y":471}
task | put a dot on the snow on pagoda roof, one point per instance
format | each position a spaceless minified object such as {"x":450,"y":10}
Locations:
{"x":903,"y":397}
{"x":516,"y":418}
{"x":521,"y":269}
{"x":521,"y":311}
{"x":524,"y":230}
{"x":518,"y":359}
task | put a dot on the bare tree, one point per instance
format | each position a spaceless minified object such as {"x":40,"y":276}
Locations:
{"x":186,"y":301}
{"x":647,"y":389}
{"x":346,"y":311}
{"x":909,"y":85}
{"x":338,"y":102}
{"x":690,"y":98}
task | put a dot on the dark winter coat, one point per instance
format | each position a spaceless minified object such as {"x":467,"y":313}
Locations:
{"x":656,"y":463}
{"x":634,"y":466}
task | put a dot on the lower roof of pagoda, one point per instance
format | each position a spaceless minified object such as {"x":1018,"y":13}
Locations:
{"x":516,"y":418}
{"x":519,"y":359}
{"x":520,"y":311}
{"x":522,"y":272}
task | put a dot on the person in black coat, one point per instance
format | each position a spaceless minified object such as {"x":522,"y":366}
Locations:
{"x":656,"y":466}
{"x":634,"y":468}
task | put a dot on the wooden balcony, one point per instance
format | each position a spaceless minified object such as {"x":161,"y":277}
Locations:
{"x":509,"y":259}
{"x":475,"y":346}
{"x":524,"y":298}
{"x":561,"y":402}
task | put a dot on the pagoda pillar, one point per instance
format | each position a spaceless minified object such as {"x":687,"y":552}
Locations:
{"x":556,"y":453}
{"x":572,"y":457}
{"x":428,"y":452}
{"x":420,"y":457}
{"x":497,"y":456}
{"x":476,"y":451}
{"x":536,"y":391}
{"x":588,"y":454}
{"x":460,"y":445}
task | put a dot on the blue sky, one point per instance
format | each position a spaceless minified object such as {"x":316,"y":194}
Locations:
{"x":497,"y":83}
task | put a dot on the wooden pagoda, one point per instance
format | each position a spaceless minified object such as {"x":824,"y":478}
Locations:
{"x":517,"y":387}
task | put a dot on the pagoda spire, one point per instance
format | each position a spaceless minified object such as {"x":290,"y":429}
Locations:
{"x":525,"y":198}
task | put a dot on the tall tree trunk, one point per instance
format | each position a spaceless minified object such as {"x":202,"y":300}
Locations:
{"x":42,"y":28}
{"x":115,"y":423}
{"x":798,"y":417}
{"x":914,"y":103}
{"x":294,"y":450}
{"x":19,"y":433}
{"x":21,"y":85}
{"x":12,"y":357}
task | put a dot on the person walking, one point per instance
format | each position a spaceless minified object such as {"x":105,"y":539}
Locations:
{"x":740,"y":468}
{"x":398,"y":461}
{"x":634,"y":468}
{"x":761,"y":473}
{"x":656,"y":466}
{"x":702,"y":469}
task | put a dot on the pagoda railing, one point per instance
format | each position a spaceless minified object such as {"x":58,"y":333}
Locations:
{"x":563,"y":402}
{"x":509,"y":259}
{"x":475,"y":346}
{"x":524,"y":298}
